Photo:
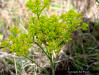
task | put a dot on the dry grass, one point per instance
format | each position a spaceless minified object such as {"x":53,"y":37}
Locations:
{"x":14,"y":12}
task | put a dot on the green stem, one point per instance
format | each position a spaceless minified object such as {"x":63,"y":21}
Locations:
{"x":53,"y":71}
{"x":43,"y":51}
{"x":38,"y":16}
{"x":48,"y":56}
{"x":52,"y":66}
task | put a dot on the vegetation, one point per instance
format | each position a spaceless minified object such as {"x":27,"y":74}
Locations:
{"x":49,"y":44}
{"x":52,"y":32}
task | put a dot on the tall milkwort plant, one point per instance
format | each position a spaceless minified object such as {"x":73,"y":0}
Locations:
{"x":51,"y":31}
